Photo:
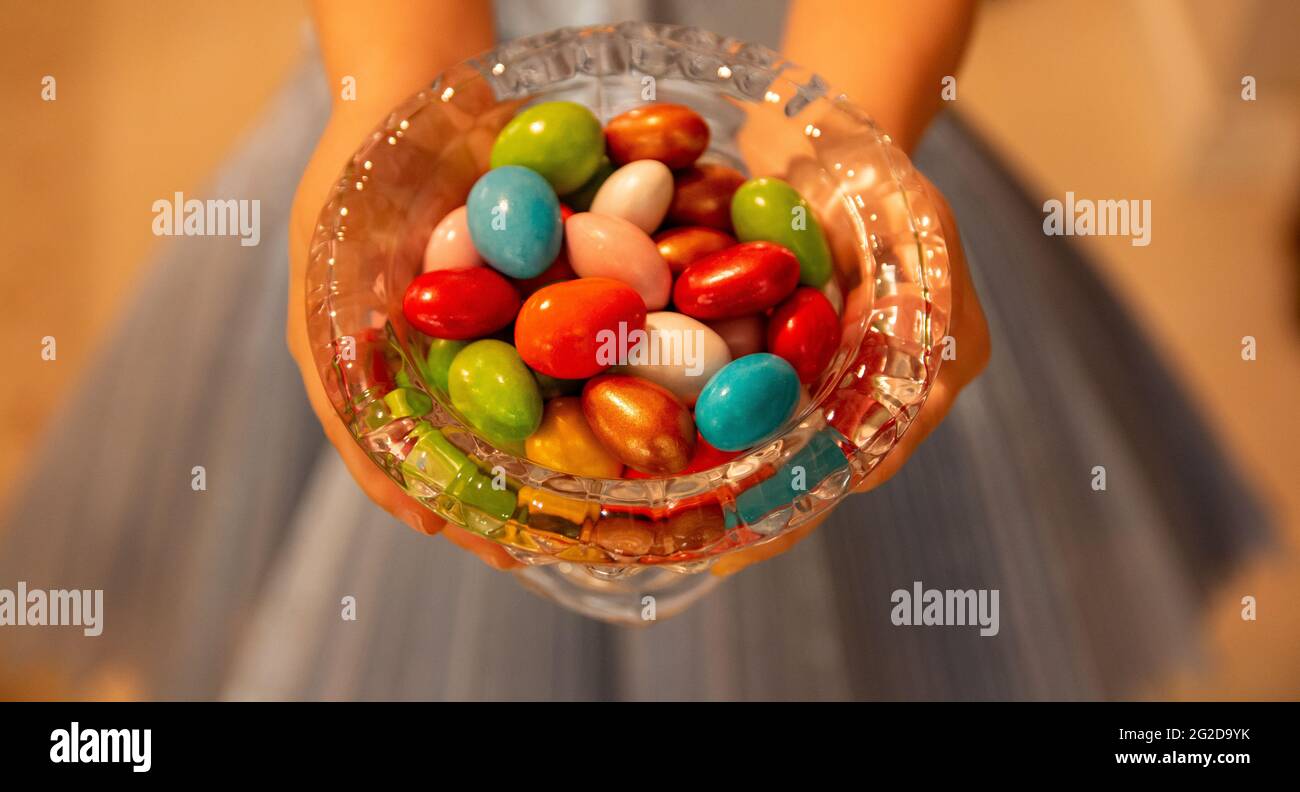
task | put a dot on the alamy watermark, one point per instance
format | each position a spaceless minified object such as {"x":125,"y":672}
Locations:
{"x":682,"y":348}
{"x":92,"y":746}
{"x":25,"y":607}
{"x":214,"y":217}
{"x":1086,"y":217}
{"x":922,"y":607}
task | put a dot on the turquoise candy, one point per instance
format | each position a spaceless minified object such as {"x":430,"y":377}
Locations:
{"x":562,"y":141}
{"x":746,"y":401}
{"x":514,"y":221}
{"x":493,"y":389}
{"x":820,"y":459}
{"x":770,"y":210}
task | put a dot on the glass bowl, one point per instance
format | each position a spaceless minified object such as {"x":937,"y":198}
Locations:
{"x":630,"y":550}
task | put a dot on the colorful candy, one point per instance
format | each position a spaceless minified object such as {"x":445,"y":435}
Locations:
{"x":493,"y":389}
{"x":562,"y":141}
{"x":565,"y":442}
{"x":678,"y":353}
{"x":562,"y":328}
{"x":514,"y":220}
{"x":450,"y":246}
{"x":744,"y":279}
{"x":771,"y":210}
{"x":702,"y":196}
{"x":601,"y":381}
{"x":805,"y":331}
{"x":747,"y":401}
{"x":640,"y":422}
{"x":674,"y":134}
{"x":682,"y":247}
{"x":610,"y":247}
{"x":639,"y":192}
{"x":460,"y":304}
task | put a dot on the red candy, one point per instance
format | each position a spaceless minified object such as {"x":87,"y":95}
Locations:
{"x":702,"y":196}
{"x":674,"y":134}
{"x":743,"y":279}
{"x":460,"y":304}
{"x":682,"y":247}
{"x":558,"y":331}
{"x":805,"y":330}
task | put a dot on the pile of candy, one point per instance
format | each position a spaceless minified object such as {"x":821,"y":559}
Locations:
{"x":665,"y":317}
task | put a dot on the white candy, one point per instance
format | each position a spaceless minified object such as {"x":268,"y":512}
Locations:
{"x":639,"y":192}
{"x":679,"y":353}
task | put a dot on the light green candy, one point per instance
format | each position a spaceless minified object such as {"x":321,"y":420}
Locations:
{"x":770,"y":210}
{"x":562,"y":141}
{"x":495,"y":391}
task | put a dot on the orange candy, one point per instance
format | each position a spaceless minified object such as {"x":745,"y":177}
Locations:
{"x":559,"y":328}
{"x":640,"y":422}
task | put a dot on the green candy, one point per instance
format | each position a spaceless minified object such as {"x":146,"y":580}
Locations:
{"x":562,"y":141}
{"x":580,"y":201}
{"x":438,"y":361}
{"x":493,"y":389}
{"x":770,"y":210}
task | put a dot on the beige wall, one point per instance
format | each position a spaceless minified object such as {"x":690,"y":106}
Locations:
{"x":150,"y":96}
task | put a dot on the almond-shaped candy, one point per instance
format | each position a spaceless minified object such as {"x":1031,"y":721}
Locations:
{"x":495,"y":391}
{"x":771,"y":210}
{"x":600,"y":246}
{"x":460,"y":304}
{"x":640,"y":422}
{"x":743,"y":279}
{"x":682,"y":247}
{"x":562,"y":329}
{"x":676,"y":352}
{"x":450,"y":247}
{"x":702,"y":195}
{"x":805,"y":331}
{"x":559,"y":140}
{"x":514,"y":219}
{"x":639,"y":192}
{"x":674,"y":134}
{"x":747,"y":401}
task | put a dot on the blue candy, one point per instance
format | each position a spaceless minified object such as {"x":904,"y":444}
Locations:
{"x":746,"y":401}
{"x":514,"y":221}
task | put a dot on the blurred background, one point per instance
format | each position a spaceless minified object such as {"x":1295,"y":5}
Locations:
{"x":1106,"y":98}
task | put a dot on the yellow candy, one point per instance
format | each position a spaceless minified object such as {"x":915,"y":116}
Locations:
{"x":565,"y":442}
